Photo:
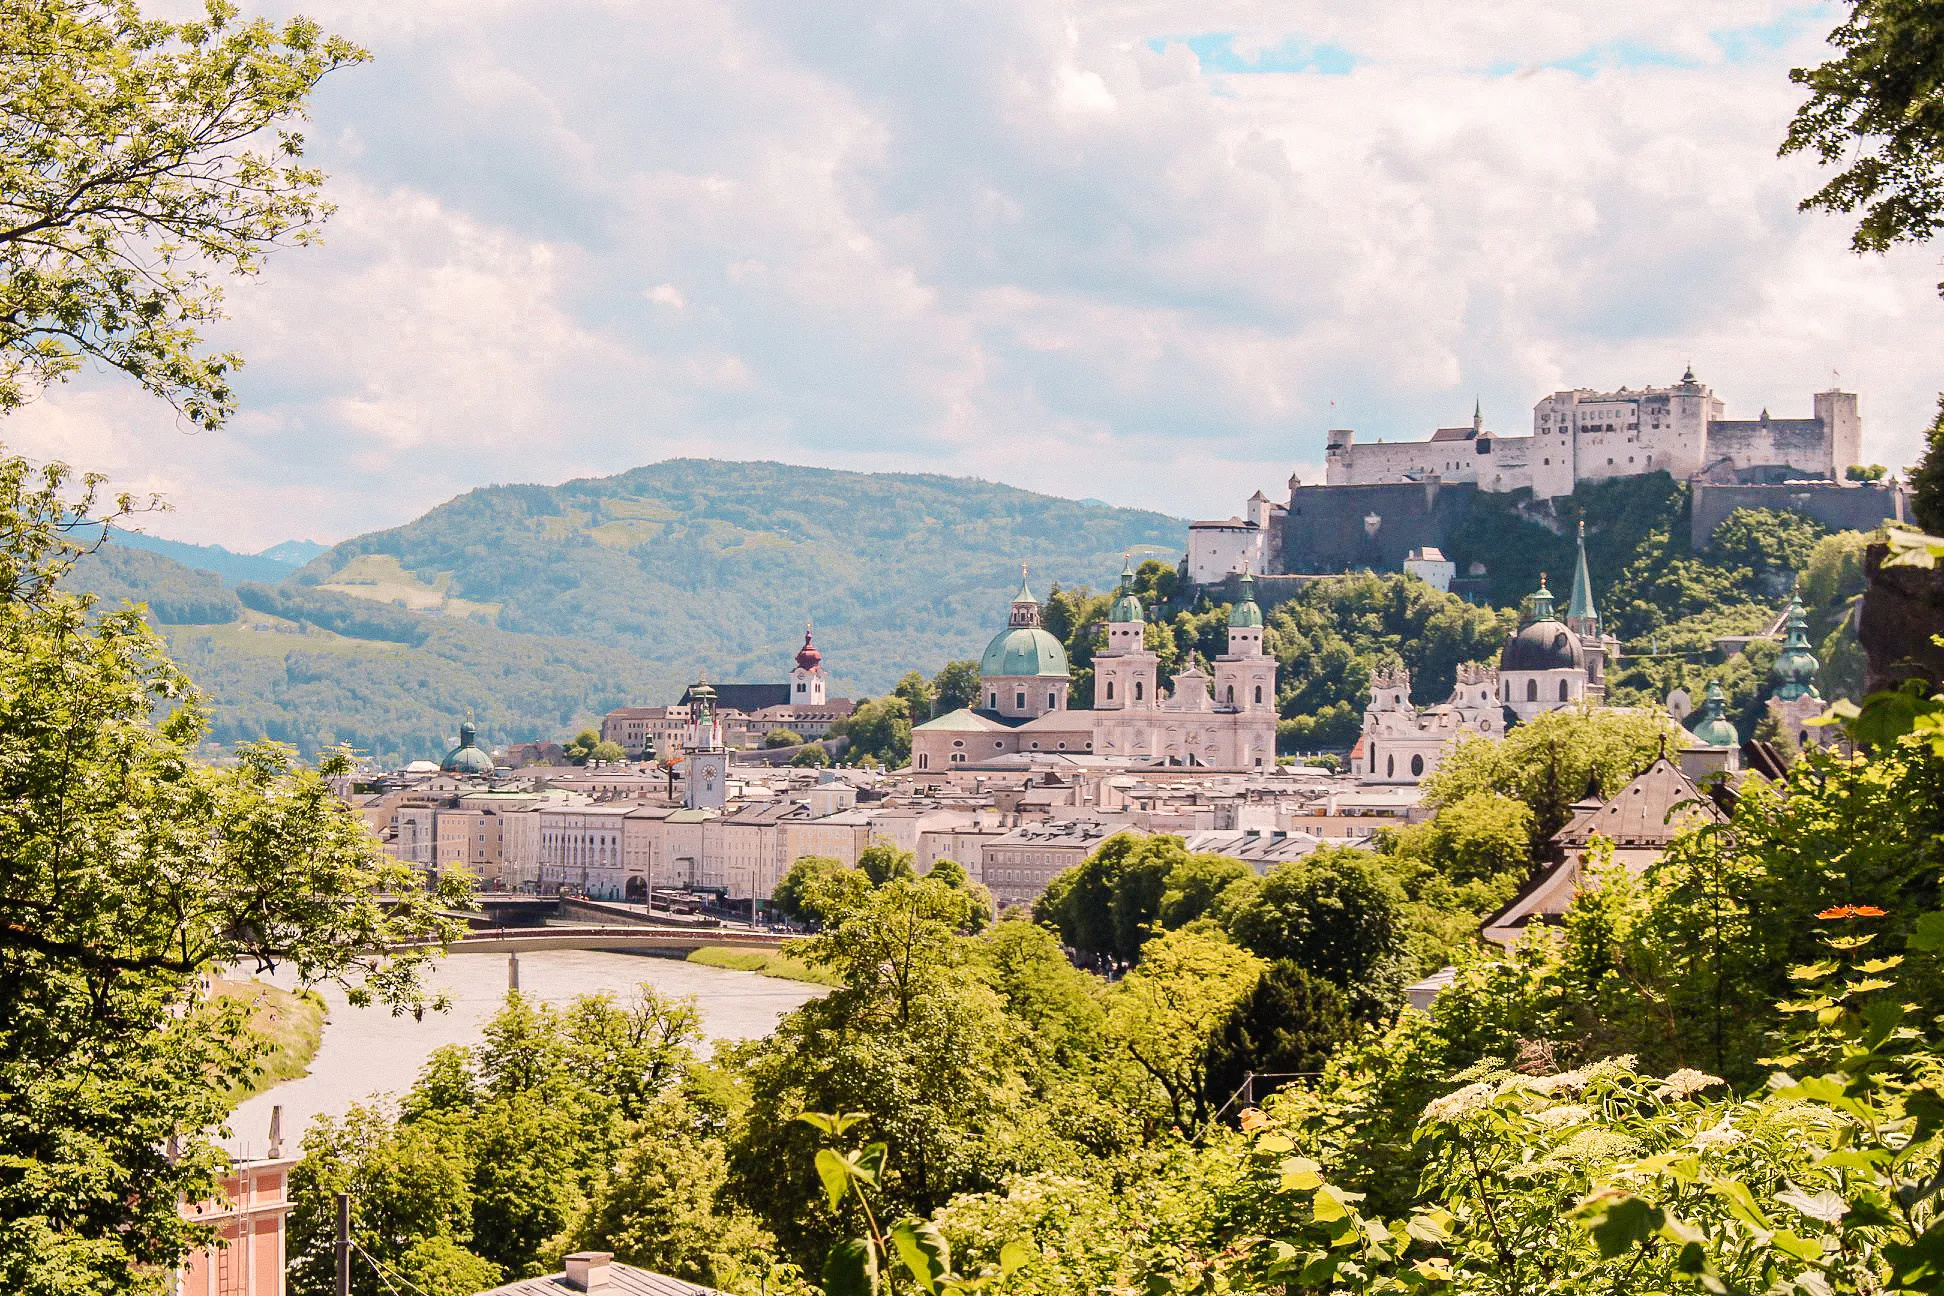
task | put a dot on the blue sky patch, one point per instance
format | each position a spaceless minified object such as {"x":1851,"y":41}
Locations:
{"x":1218,"y":54}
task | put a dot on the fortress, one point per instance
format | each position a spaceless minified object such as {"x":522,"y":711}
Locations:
{"x":1382,"y":500}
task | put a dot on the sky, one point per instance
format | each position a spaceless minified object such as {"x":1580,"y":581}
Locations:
{"x":1139,"y":251}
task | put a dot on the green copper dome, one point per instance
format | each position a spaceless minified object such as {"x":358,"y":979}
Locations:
{"x":1711,"y":724}
{"x":1126,"y":607}
{"x":1245,"y":613}
{"x":1795,"y":667}
{"x":1023,"y":648}
{"x":467,"y":757}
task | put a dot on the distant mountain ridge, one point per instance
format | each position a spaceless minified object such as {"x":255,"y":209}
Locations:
{"x":273,"y":564}
{"x":535,"y":608}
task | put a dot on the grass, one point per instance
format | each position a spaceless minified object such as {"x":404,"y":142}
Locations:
{"x":293,"y":1023}
{"x":773,"y":963}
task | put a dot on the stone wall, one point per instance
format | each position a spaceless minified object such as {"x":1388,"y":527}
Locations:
{"x":1326,"y":527}
{"x":1838,"y":507}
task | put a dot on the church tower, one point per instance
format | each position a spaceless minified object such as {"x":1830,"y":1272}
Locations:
{"x":1583,"y":619}
{"x":1795,"y":701}
{"x":1245,"y":679}
{"x":1124,"y":674}
{"x":809,"y":686}
{"x":705,"y":765}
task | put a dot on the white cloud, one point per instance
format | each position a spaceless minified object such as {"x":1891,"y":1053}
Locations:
{"x":1064,"y":245}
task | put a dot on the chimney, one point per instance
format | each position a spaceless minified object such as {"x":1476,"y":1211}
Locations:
{"x":588,"y":1270}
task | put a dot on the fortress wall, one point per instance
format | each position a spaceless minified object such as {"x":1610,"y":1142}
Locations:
{"x":1838,"y":507}
{"x":1794,"y":443}
{"x":1324,"y":530}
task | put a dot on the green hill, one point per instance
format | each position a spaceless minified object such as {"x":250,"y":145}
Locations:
{"x":537,"y":608}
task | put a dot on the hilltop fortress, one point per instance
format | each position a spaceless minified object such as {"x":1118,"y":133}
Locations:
{"x":1381,"y":501}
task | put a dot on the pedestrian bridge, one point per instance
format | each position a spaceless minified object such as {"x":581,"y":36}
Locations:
{"x":631,"y":938}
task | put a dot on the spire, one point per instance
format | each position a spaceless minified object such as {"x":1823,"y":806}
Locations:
{"x":1025,"y":594}
{"x":1581,"y":617}
{"x":1245,"y":614}
{"x":1478,"y":415}
{"x":1796,"y":666}
{"x":1025,"y":608}
{"x":1127,"y":606}
{"x":1542,"y":601}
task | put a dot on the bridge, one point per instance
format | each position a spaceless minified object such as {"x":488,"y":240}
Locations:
{"x":629,"y":938}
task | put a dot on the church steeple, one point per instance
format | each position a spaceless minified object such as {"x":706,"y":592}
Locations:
{"x":1478,"y":416}
{"x":1025,"y":608}
{"x":1542,"y":602}
{"x":1581,"y":616}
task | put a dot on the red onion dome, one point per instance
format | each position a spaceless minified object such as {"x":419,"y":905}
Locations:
{"x":807,"y":656}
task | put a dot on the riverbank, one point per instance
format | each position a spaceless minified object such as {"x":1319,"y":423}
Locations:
{"x":770,"y":963}
{"x":291,"y":1021}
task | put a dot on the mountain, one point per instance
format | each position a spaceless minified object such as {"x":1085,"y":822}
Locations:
{"x":537,"y":608}
{"x":215,"y":558}
{"x":693,"y":564}
{"x":294,"y":552}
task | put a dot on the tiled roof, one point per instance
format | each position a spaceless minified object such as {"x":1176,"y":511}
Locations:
{"x":1657,"y":806}
{"x":623,"y":1280}
{"x":963,"y":720}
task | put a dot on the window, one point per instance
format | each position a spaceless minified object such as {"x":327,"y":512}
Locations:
{"x":1258,"y":695}
{"x":1110,"y":690}
{"x":1019,"y":700}
{"x":1532,"y":690}
{"x":1390,"y":767}
{"x":1052,"y":702}
{"x":1417,"y":766}
{"x":1562,"y":690}
{"x":998,"y":743}
{"x":1228,"y":695}
{"x":924,"y":761}
{"x":1137,"y":690}
{"x":992,"y":701}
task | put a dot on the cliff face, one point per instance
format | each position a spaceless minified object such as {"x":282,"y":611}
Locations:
{"x":1901,"y":618}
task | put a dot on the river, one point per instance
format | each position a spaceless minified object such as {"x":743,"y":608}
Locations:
{"x":368,"y":1051}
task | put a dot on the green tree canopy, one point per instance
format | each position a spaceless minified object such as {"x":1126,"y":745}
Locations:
{"x":955,"y":686}
{"x":1335,"y":913}
{"x":140,"y":160}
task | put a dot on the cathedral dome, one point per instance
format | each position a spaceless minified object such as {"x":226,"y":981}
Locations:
{"x":1546,"y":644}
{"x":467,"y":757}
{"x":1126,"y":607}
{"x":1024,"y":650}
{"x":1542,"y":646}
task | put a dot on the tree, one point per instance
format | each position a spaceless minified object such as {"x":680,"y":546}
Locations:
{"x":140,"y":160}
{"x":1550,"y":761}
{"x":581,"y":749}
{"x":1927,"y":478}
{"x":817,"y":889}
{"x":881,"y":861}
{"x":1164,"y":1013}
{"x":1336,"y":914}
{"x":130,"y":871}
{"x":955,"y":686}
{"x":880,"y":729}
{"x":917,"y":695}
{"x":811,"y":757}
{"x":1865,"y":473}
{"x":1289,"y":1026}
{"x":1479,"y":837}
{"x":782,"y":738}
{"x":1872,"y":111}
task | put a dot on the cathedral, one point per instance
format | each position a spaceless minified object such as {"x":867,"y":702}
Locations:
{"x":1226,"y":720}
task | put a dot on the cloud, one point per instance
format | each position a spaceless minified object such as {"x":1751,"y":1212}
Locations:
{"x":1144,"y":251}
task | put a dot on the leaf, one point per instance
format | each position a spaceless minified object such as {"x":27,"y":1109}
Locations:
{"x":1928,"y":934}
{"x":1014,"y":1256}
{"x":1918,"y":1264}
{"x":924,"y":1251}
{"x":1326,"y":1206}
{"x":1623,"y":1222}
{"x":1826,"y":1206}
{"x":1813,"y":971}
{"x":1741,"y":1203}
{"x":851,"y":1269}
{"x":835,"y":1172}
{"x":1300,"y":1174}
{"x":1275,"y":1143}
{"x":868,"y":1164}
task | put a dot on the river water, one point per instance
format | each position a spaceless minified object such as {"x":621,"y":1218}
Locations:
{"x":368,"y":1051}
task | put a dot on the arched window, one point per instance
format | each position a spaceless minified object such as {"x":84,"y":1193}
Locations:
{"x":1052,"y":702}
{"x":1228,"y":695}
{"x":1532,"y":690}
{"x":1258,"y":700}
{"x":1417,"y":766}
{"x":1562,"y":690}
{"x":924,"y":761}
{"x":1390,"y":767}
{"x":1110,"y":690}
{"x":1138,"y":689}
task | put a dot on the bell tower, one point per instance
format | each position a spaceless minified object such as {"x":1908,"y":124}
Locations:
{"x":809,"y":686}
